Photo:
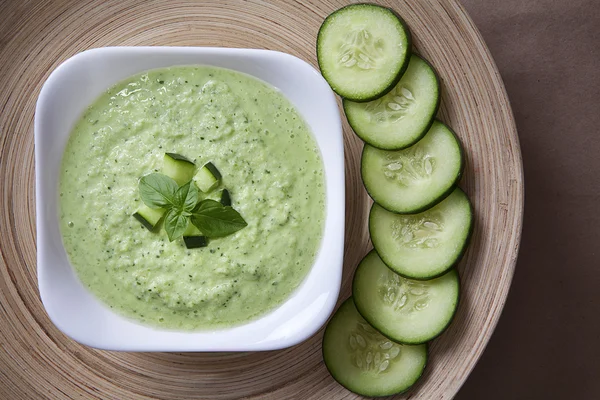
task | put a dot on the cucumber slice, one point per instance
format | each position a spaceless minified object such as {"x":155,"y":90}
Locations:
{"x":363,"y":50}
{"x":193,"y":238}
{"x":414,"y":179}
{"x":225,"y":197}
{"x":401,"y":117}
{"x":366,"y":362}
{"x":179,"y":168}
{"x":208,"y":177}
{"x":405,"y":310}
{"x":424,"y":245}
{"x":149,"y":217}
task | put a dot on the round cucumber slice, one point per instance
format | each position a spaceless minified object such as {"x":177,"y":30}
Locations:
{"x":414,"y":179}
{"x":401,"y":117}
{"x":424,"y":245}
{"x":405,"y":310}
{"x":366,"y":362}
{"x":363,"y":50}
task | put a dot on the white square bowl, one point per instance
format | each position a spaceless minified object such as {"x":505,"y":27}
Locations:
{"x":73,"y":309}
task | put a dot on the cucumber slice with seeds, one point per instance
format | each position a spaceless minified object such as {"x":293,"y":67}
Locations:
{"x":414,"y":179}
{"x":149,"y":217}
{"x":424,"y":245}
{"x":208,"y":177}
{"x":401,"y":117}
{"x":405,"y":310}
{"x":366,"y":362}
{"x":363,"y":50}
{"x":179,"y":168}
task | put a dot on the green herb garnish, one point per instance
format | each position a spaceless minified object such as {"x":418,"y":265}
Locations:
{"x":177,"y":217}
{"x":158,"y":190}
{"x":182,"y":206}
{"x":216,"y":220}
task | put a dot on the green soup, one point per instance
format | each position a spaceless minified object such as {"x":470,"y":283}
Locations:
{"x":269,"y":161}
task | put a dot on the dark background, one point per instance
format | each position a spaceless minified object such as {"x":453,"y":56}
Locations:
{"x":547,"y":343}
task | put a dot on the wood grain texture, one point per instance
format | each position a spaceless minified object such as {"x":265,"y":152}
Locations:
{"x":38,"y":361}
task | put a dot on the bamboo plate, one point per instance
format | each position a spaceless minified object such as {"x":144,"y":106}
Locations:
{"x":37,"y":361}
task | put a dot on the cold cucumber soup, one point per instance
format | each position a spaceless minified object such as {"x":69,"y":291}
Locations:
{"x":267,"y":160}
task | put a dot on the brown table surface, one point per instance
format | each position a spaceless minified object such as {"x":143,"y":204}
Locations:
{"x":547,"y":343}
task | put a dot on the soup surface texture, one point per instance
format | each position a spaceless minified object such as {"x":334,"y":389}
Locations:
{"x":269,"y":162}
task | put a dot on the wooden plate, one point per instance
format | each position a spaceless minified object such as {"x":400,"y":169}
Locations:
{"x":37,"y":361}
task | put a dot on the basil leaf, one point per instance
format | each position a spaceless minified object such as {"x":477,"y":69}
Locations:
{"x":176,"y":222}
{"x":216,"y":220}
{"x":157,"y":190}
{"x":186,"y":197}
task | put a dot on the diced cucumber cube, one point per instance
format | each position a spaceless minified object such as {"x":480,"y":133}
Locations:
{"x":225,"y":197}
{"x":179,"y":168}
{"x":193,"y":238}
{"x":149,"y":217}
{"x":208,"y":177}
